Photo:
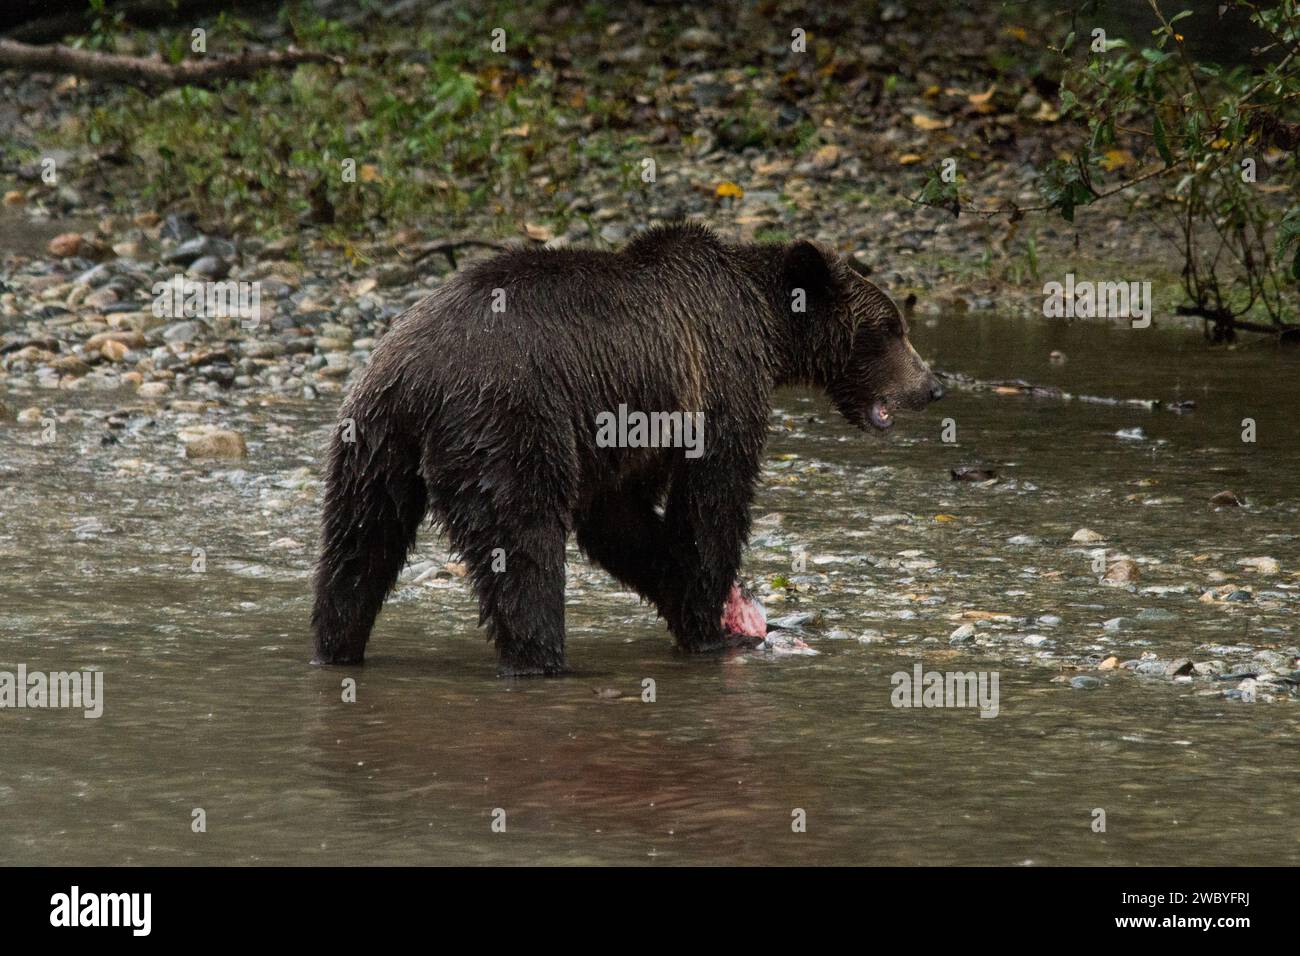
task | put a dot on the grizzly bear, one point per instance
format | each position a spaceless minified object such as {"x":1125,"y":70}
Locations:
{"x":488,"y":406}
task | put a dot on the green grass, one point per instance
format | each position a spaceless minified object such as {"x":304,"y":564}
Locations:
{"x":455,"y":134}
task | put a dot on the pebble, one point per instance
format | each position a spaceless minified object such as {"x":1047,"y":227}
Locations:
{"x":1260,"y":565}
{"x":177,"y":226}
{"x":194,"y":249}
{"x":1121,"y":572}
{"x":218,"y":443}
{"x":1086,"y":536}
{"x":127,"y":337}
{"x":182,"y":332}
{"x":65,"y":245}
{"x":210,"y":267}
{"x":1085,"y":682}
{"x":963,"y":635}
{"x":101,"y":298}
{"x":1156,"y":614}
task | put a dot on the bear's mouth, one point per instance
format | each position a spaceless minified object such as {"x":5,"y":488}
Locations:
{"x":880,"y":416}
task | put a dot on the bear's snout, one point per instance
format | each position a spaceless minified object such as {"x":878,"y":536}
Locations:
{"x":920,"y":386}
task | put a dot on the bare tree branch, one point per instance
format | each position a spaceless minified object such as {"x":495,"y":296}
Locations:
{"x":151,"y":71}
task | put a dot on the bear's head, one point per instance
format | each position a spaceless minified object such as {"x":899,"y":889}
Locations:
{"x":851,"y":340}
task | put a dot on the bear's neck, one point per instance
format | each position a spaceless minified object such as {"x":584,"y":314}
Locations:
{"x":800,"y":345}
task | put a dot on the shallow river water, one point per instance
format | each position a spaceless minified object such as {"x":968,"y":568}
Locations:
{"x":210,"y":702}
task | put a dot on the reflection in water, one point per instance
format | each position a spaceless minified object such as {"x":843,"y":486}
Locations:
{"x":210,"y":702}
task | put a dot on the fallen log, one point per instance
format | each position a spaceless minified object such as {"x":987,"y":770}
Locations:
{"x":1029,"y":390}
{"x":153,"y":70}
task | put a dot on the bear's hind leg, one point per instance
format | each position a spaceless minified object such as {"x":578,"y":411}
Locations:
{"x":374,"y":502}
{"x":520,"y":587}
{"x":623,"y":534}
{"x":508,"y":514}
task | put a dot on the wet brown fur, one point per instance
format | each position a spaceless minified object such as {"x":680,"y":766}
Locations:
{"x":487,"y":422}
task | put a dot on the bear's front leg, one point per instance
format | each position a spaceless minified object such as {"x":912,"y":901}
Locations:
{"x":708,"y":512}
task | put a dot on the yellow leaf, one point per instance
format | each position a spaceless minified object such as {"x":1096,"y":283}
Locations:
{"x":982,"y":101}
{"x":1220,"y":143}
{"x":370,"y":173}
{"x":931,"y":92}
{"x":1115,"y":158}
{"x":519,"y":131}
{"x":909,"y":159}
{"x":945,"y":518}
{"x":729,"y":188}
{"x":1020,"y":33}
{"x":921,"y":121}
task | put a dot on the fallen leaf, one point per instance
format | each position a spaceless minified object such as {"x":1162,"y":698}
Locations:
{"x":929,"y":123}
{"x":1115,"y":158}
{"x":730,"y":189}
{"x":982,"y":101}
{"x":984,"y":616}
{"x":1046,"y":114}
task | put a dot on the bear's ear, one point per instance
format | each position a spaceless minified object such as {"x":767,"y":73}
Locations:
{"x":805,"y":267}
{"x":806,"y":275}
